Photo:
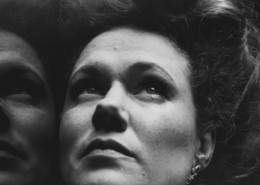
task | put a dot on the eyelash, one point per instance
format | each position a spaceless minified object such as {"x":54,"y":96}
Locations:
{"x":82,"y":85}
{"x":22,"y":86}
{"x":160,"y":87}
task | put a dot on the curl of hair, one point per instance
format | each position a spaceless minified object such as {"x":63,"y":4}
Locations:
{"x":222,"y":44}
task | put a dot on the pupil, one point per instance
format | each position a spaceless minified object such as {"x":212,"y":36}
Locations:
{"x":92,"y":90}
{"x":18,"y":90}
{"x":151,"y":90}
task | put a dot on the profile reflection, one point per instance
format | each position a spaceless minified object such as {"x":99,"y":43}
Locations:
{"x":27,"y":117}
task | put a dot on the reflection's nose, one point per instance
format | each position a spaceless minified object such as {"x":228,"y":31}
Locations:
{"x":110,"y":114}
{"x":4,"y":118}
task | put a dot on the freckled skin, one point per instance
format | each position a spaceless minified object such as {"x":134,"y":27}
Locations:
{"x":161,"y":132}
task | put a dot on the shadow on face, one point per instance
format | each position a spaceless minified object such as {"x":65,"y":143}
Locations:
{"x":27,"y":118}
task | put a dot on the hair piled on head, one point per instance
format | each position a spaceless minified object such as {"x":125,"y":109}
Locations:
{"x":221,"y":44}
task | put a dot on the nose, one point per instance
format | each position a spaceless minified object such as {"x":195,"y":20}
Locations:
{"x":110,"y":114}
{"x":4,"y":118}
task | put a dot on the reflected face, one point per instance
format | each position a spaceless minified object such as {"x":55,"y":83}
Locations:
{"x":129,"y":116}
{"x":26,"y":114}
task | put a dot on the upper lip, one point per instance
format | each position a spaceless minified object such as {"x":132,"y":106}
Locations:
{"x":107,"y":144}
{"x":5,"y":146}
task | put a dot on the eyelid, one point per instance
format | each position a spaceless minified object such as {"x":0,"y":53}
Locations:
{"x":167,"y":89}
{"x":32,"y":87}
{"x":79,"y":84}
{"x":78,"y":78}
{"x":86,"y":72}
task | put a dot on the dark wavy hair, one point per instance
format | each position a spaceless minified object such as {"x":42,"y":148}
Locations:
{"x":222,"y":44}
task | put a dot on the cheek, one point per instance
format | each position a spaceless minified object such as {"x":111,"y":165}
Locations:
{"x":36,"y":125}
{"x":168,"y":139}
{"x":75,"y":123}
{"x":166,"y":131}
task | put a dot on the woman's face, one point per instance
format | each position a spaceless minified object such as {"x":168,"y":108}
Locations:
{"x":129,"y":116}
{"x":26,"y":114}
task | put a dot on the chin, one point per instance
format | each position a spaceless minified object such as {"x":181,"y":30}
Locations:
{"x":105,"y":177}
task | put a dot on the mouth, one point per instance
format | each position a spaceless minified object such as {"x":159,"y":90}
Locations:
{"x":8,"y":150}
{"x":106,"y":148}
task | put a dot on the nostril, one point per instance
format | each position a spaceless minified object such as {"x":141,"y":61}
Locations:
{"x":114,"y":120}
{"x":117,"y":124}
{"x":97,"y":121}
{"x":109,"y":118}
{"x":110,"y":123}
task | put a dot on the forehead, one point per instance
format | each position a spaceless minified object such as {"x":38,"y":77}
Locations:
{"x":126,"y":40}
{"x":16,"y":51}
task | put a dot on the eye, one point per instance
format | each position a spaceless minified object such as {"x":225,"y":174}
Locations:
{"x":85,"y":87}
{"x":22,"y":88}
{"x":152,"y":90}
{"x":15,"y":89}
{"x":92,"y":88}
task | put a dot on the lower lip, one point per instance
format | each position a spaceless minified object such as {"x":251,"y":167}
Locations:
{"x":8,"y":160}
{"x":105,"y":153}
{"x":6,"y":154}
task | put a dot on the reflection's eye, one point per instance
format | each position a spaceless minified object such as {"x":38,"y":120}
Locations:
{"x":16,"y":88}
{"x":21,"y":87}
{"x":12,"y":90}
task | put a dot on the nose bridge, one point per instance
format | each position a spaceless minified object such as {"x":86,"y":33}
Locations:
{"x":116,"y":95}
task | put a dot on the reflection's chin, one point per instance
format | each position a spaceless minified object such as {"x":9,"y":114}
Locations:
{"x":30,"y":171}
{"x":8,"y":161}
{"x":7,"y":155}
{"x":13,"y":170}
{"x":10,"y":156}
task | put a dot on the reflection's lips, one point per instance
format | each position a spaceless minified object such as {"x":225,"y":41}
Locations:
{"x":99,"y":144}
{"x":8,"y":148}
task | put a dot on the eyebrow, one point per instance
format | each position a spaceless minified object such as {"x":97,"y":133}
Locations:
{"x":19,"y":70}
{"x":136,"y":68}
{"x":140,"y":67}
{"x":87,"y":69}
